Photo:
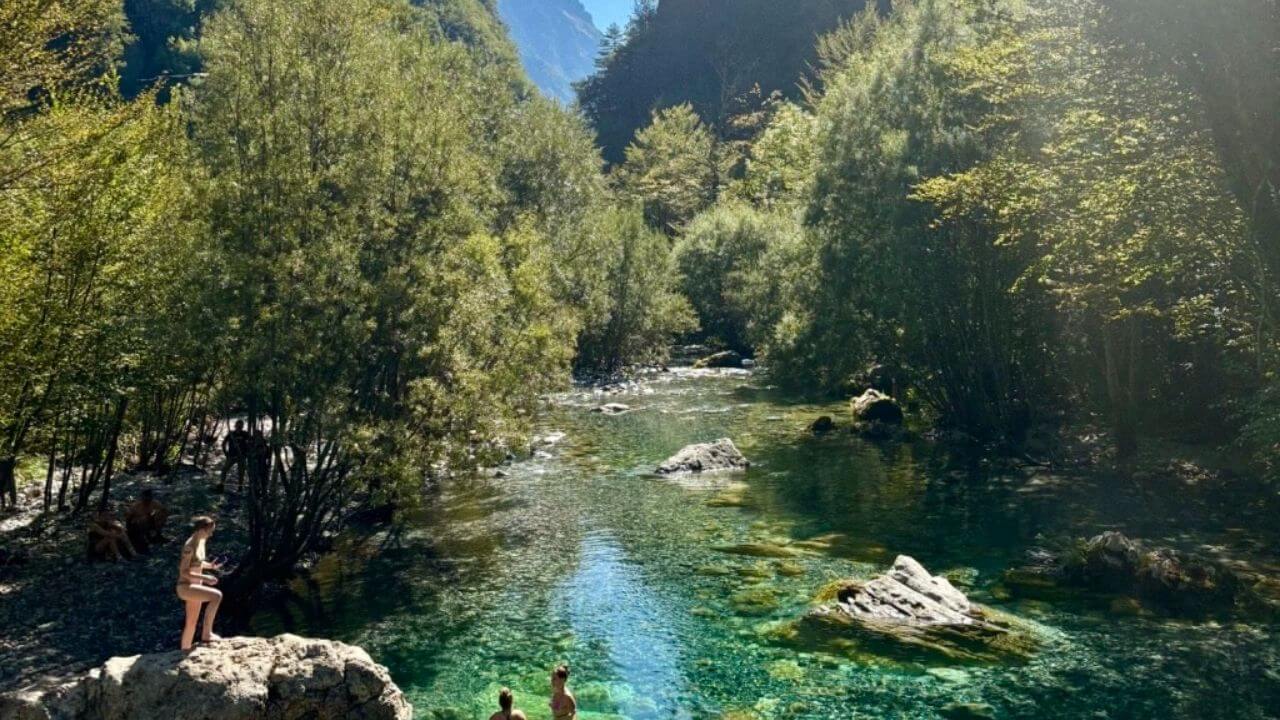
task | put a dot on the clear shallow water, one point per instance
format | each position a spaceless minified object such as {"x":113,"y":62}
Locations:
{"x":584,"y":557}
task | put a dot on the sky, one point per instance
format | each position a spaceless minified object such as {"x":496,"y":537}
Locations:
{"x":605,"y":12}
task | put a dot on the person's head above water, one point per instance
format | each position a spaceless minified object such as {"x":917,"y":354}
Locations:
{"x":505,"y":699}
{"x":559,"y":676}
{"x":202,"y":525}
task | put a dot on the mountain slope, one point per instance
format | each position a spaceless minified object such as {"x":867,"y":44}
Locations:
{"x":708,"y":53}
{"x":557,"y":41}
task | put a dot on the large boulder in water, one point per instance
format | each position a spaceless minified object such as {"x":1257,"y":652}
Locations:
{"x":907,"y":610}
{"x":724,"y":359}
{"x":242,"y":678}
{"x":705,"y":457}
{"x":1114,"y":564}
{"x":875,"y":407}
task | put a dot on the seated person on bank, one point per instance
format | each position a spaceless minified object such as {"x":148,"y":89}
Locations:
{"x":145,"y":521}
{"x":108,"y":539}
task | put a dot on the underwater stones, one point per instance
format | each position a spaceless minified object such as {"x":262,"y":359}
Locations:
{"x":908,"y":609}
{"x":820,"y":543}
{"x":755,"y":600}
{"x":760,"y":570}
{"x":968,"y":711}
{"x":759,"y":549}
{"x":785,"y":670}
{"x":732,"y":496}
{"x":725,"y":359}
{"x":787,"y":568}
{"x":612,"y":409}
{"x":822,"y":425}
{"x":954,"y":676}
{"x":717,"y":456}
{"x":551,"y":438}
{"x":1112,"y":563}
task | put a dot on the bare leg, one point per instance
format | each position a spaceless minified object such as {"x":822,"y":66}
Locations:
{"x":107,"y":549}
{"x":196,"y":596}
{"x":128,"y":544}
{"x":210,"y":614}
{"x":189,"y":627}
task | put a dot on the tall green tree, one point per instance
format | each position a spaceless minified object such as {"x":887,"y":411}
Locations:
{"x":645,"y":310}
{"x":672,"y":168}
{"x":391,"y":308}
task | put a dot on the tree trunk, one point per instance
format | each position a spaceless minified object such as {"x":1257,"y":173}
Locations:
{"x":8,"y":481}
{"x":111,"y":453}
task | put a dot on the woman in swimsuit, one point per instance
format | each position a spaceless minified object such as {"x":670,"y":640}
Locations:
{"x":194,"y":586}
{"x":563,"y":704}
{"x":506,"y":701}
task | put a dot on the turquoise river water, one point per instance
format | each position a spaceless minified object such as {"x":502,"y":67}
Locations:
{"x":580,"y":555}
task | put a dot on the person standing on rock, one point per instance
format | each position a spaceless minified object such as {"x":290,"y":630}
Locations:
{"x":563,"y":705}
{"x":194,"y":585}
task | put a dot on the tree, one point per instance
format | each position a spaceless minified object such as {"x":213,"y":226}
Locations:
{"x":644,"y":310}
{"x":1109,"y":170}
{"x":388,"y":254}
{"x":720,"y":256}
{"x":671,"y":168}
{"x":892,"y":283}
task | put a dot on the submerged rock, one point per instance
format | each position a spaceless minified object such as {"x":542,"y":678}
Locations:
{"x":705,"y":457}
{"x":968,"y":711}
{"x":725,"y":359}
{"x":907,"y":609}
{"x":612,"y":409}
{"x":240,"y":678}
{"x":823,"y":424}
{"x":759,"y":549}
{"x":551,"y":438}
{"x":1113,"y":563}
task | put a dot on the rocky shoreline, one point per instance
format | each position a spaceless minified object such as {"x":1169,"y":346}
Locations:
{"x":239,"y":678}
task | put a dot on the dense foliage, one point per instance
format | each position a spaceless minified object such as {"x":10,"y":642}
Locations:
{"x":1035,"y":211}
{"x":355,"y":227}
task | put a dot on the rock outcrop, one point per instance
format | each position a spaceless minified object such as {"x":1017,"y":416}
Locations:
{"x":705,"y":457}
{"x":725,"y":359}
{"x":874,"y":406}
{"x":612,"y":409}
{"x":1114,"y":564}
{"x":907,"y":609}
{"x":241,"y":678}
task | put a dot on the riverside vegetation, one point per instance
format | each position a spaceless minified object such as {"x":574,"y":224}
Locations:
{"x":1049,"y":228}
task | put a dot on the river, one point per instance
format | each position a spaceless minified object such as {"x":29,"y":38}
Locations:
{"x":580,"y":555}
